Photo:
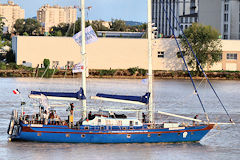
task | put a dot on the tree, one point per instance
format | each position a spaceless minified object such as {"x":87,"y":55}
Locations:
{"x":19,"y":26}
{"x":118,"y":25}
{"x":10,"y":57}
{"x":46,"y":63}
{"x":205,"y":43}
{"x":32,"y":26}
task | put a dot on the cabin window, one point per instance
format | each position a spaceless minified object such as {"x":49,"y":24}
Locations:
{"x":99,"y":120}
{"x":83,"y":135}
{"x":67,"y":135}
{"x":161,"y":54}
{"x":86,"y":127}
{"x":128,"y":135}
{"x":232,"y":56}
{"x":102,"y":128}
{"x":131,"y":128}
{"x":149,"y":135}
{"x":130,"y":123}
{"x":124,"y":128}
{"x":23,"y":61}
{"x":136,"y":123}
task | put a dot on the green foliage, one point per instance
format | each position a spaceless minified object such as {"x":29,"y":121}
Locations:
{"x":118,"y":25}
{"x":3,"y":66}
{"x":19,"y":26}
{"x":205,"y":43}
{"x":46,"y":63}
{"x":25,"y":34}
{"x":30,"y":26}
{"x":107,"y":72}
{"x":133,"y":70}
{"x":10,"y":56}
{"x":12,"y":66}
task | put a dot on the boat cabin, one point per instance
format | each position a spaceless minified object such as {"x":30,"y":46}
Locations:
{"x":109,"y":121}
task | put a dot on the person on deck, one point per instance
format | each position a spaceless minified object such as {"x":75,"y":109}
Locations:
{"x":195,"y":117}
{"x":143,"y":118}
{"x":70,"y":117}
{"x":90,"y":115}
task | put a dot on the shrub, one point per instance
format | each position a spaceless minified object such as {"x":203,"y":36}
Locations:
{"x":46,"y":63}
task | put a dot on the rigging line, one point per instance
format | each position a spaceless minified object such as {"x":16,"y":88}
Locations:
{"x":201,"y":66}
{"x":195,"y":89}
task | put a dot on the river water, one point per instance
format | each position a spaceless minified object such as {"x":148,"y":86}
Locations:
{"x":174,"y":96}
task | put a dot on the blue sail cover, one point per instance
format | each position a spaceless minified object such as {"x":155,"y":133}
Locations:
{"x":78,"y":95}
{"x":142,"y":99}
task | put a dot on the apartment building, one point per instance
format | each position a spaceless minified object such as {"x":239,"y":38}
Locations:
{"x":185,"y":10}
{"x":50,"y":16}
{"x":9,"y":13}
{"x":161,"y":10}
{"x":224,"y":15}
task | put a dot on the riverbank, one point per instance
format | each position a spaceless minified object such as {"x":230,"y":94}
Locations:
{"x":131,"y":73}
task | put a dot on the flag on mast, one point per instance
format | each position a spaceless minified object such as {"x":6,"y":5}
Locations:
{"x":90,"y":36}
{"x":16,"y":91}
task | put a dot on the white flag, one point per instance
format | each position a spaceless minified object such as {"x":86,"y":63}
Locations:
{"x":77,"y":68}
{"x":44,"y":102}
{"x":90,"y":36}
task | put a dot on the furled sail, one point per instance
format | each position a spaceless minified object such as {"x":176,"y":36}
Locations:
{"x":123,"y":98}
{"x":59,"y":95}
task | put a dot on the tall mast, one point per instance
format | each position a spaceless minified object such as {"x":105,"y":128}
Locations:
{"x":150,"y":75}
{"x":83,"y":52}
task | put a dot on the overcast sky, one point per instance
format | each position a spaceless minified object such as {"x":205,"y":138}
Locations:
{"x":135,"y":10}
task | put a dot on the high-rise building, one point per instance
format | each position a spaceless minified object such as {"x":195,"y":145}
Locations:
{"x":161,"y":9}
{"x":224,"y":15}
{"x":50,"y":16}
{"x":188,"y":12}
{"x":185,"y":10}
{"x":10,"y":13}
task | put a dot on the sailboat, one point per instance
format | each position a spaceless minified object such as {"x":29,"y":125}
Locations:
{"x":105,"y":126}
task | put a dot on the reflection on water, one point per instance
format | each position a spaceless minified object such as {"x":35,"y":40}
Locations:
{"x":175,"y":96}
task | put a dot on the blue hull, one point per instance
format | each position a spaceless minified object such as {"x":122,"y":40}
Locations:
{"x":63,"y":134}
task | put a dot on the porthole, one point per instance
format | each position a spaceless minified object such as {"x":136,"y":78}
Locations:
{"x":124,"y":128}
{"x":179,"y":134}
{"x":67,"y":135}
{"x":159,"y":135}
{"x":102,"y":128}
{"x":131,"y":128}
{"x":128,"y":135}
{"x":149,"y":135}
{"x":192,"y":133}
{"x":39,"y":134}
{"x":86,"y":128}
{"x":83,"y":135}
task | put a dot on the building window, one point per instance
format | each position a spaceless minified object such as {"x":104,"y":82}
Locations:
{"x":195,"y":19}
{"x":186,"y":26}
{"x":186,"y":19}
{"x":160,"y":54}
{"x":225,"y":27}
{"x":226,"y":7}
{"x":225,"y":36}
{"x":181,"y":19}
{"x":225,"y":17}
{"x":181,"y":26}
{"x":232,"y":56}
